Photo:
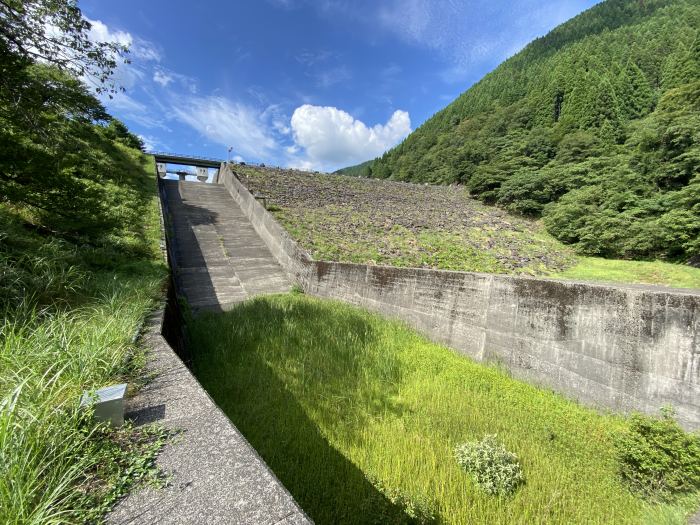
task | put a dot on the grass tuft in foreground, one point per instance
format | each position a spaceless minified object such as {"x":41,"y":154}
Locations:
{"x":359,"y":417}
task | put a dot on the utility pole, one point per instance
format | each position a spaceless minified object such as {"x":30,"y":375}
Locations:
{"x":228,"y":156}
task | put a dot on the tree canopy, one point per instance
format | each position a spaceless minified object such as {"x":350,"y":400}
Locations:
{"x":56,"y":32}
{"x":58,"y":145}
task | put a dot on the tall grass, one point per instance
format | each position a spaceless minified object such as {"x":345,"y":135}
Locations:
{"x":48,"y":448}
{"x":68,"y":311}
{"x":360,"y":416}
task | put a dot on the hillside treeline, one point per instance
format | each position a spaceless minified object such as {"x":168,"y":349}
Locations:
{"x":594,"y":127}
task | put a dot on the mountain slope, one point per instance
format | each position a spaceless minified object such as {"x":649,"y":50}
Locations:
{"x":595,"y":126}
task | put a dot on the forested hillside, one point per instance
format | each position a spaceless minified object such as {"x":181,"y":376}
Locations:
{"x":595,"y":127}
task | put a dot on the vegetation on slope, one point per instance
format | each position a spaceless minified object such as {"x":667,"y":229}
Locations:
{"x":359,"y":417}
{"x":383,"y":222}
{"x":595,"y":127}
{"x":80,"y":267}
{"x":69,"y":309}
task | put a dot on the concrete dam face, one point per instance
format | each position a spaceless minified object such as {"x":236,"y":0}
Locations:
{"x":620,"y":347}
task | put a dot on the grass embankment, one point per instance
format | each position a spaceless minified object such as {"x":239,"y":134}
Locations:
{"x":341,"y":218}
{"x":359,"y":417}
{"x":70,"y":307}
{"x":644,"y":272}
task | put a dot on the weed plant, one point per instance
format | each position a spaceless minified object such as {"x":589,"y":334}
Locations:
{"x":494,"y":469}
{"x":657,"y":458}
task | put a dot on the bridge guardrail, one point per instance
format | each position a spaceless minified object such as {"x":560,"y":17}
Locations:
{"x":181,"y":155}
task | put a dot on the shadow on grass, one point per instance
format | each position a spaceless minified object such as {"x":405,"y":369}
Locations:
{"x":329,"y":487}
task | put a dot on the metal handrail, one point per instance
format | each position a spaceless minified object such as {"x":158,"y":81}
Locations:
{"x":182,"y":156}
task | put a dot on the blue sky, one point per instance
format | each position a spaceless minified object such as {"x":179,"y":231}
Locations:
{"x":312,"y":84}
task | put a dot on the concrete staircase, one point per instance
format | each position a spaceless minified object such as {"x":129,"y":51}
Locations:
{"x":219,"y":259}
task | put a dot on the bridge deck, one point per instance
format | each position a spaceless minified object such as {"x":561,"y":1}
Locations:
{"x":184,"y":160}
{"x":219,"y":258}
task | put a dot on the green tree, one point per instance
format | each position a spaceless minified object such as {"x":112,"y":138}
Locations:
{"x":634,"y":93}
{"x":56,"y":140}
{"x":56,"y":32}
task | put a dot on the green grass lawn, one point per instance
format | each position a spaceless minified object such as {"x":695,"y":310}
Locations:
{"x":642,"y":272}
{"x":359,"y":416}
{"x":68,"y":311}
{"x":370,"y":221}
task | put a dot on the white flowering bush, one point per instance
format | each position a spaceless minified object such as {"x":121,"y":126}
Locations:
{"x":494,"y":469}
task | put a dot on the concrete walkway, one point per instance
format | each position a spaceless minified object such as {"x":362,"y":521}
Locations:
{"x":219,"y":258}
{"x":215,"y":476}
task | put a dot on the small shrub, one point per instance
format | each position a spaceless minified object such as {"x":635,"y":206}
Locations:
{"x":657,"y":458}
{"x":494,"y":469}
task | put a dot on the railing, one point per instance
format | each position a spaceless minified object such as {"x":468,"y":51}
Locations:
{"x":182,"y":156}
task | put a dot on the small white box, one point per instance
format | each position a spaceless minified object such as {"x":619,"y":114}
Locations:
{"x":108,"y":403}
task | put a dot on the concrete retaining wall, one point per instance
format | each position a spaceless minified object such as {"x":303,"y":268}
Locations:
{"x":295,"y":261}
{"x":622,"y":347}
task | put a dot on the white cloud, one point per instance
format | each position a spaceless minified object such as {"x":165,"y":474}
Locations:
{"x":128,"y":76}
{"x":277,"y":118}
{"x":149,"y":143}
{"x":332,"y":138}
{"x":126,"y":104}
{"x":141,"y":52}
{"x":138,"y":48}
{"x":162,"y":78}
{"x":281,"y":127}
{"x":126,"y":107}
{"x":165,"y":77}
{"x":145,"y":50}
{"x":99,"y":32}
{"x":301,"y":164}
{"x":227,"y":123}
